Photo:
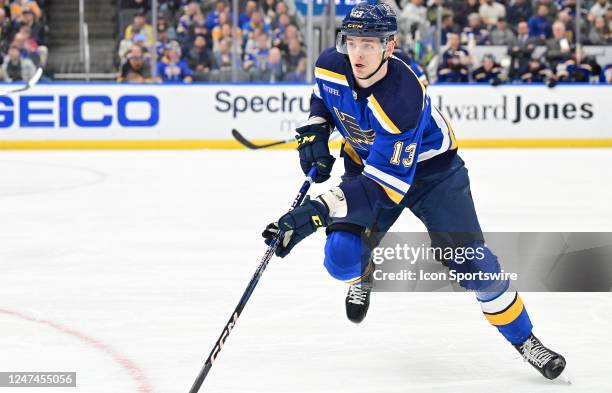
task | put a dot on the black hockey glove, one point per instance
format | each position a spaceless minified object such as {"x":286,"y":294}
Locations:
{"x":313,"y":147}
{"x":298,"y":224}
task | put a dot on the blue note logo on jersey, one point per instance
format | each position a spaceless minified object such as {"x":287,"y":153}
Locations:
{"x":360,"y":139}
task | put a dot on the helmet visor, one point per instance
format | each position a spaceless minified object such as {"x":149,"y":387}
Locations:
{"x":350,"y":45}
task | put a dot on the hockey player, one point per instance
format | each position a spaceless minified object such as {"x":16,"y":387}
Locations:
{"x":399,"y":152}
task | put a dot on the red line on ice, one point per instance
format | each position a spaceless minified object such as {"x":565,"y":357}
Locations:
{"x":128,"y":365}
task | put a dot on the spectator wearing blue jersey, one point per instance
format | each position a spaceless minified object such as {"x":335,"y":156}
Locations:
{"x":475,"y":29}
{"x":172,"y":69}
{"x":455,"y":62}
{"x":212,"y":20}
{"x":535,"y":71}
{"x":186,"y":22}
{"x":539,"y":25}
{"x":163,"y":41}
{"x":580,"y":67}
{"x":275,"y":67}
{"x":255,"y":23}
{"x":255,"y":60}
{"x":281,"y":25}
{"x":606,"y":74}
{"x":489,"y":72}
{"x":245,"y":17}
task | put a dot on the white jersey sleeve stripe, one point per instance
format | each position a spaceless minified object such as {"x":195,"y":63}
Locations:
{"x":435,"y":114}
{"x":392,"y":181}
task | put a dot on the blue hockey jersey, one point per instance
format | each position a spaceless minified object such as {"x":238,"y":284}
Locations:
{"x":388,"y":127}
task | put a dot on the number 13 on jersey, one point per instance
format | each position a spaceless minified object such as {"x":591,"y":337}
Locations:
{"x":398,"y":149}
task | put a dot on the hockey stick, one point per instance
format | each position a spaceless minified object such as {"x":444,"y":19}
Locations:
{"x":28,"y":85}
{"x":250,"y":145}
{"x":249,"y":290}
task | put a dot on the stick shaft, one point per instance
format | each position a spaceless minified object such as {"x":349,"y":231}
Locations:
{"x":249,"y":290}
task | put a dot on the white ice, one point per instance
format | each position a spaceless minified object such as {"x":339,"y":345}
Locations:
{"x":125,"y":266}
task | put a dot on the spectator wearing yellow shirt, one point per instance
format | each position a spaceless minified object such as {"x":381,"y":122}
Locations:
{"x":140,"y":26}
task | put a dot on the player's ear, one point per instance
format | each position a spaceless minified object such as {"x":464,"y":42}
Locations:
{"x":390,"y":48}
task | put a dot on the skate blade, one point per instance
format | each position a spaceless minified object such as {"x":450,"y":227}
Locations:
{"x":565,"y":378}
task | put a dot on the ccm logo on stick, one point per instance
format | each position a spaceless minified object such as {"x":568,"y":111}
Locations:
{"x":82,"y":111}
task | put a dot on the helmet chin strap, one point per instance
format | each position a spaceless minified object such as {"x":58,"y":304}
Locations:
{"x":383,"y":61}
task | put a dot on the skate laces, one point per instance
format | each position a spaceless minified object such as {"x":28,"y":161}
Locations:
{"x":535,"y":353}
{"x":357,"y":295}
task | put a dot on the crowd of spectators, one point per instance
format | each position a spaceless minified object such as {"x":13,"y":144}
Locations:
{"x":197,"y":41}
{"x":539,"y":37}
{"x":22,"y":39}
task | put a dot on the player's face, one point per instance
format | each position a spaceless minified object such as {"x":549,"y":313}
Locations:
{"x":365,"y":54}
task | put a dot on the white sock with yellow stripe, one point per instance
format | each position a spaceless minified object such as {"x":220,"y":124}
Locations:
{"x":505,"y":310}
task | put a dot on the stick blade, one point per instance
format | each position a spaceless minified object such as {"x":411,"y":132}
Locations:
{"x":245,"y":142}
{"x":36,"y":77}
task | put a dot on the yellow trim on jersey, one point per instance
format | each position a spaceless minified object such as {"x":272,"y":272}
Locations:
{"x":350,"y":151}
{"x":391,"y":193}
{"x":507,"y":316}
{"x":383,"y":115}
{"x":330,"y":74}
{"x":451,"y":132}
{"x":417,"y":78}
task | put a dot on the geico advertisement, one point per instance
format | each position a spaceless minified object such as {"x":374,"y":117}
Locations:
{"x":202,"y":112}
{"x":152,"y":112}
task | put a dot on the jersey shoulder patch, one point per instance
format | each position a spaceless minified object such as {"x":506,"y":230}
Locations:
{"x":399,"y":100}
{"x":331,"y":66}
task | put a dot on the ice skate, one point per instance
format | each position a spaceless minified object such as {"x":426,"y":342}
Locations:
{"x":549,"y":363}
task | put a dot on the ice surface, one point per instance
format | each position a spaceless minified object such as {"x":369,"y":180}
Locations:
{"x":125,"y":266}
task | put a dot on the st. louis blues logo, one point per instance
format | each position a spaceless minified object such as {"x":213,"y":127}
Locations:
{"x":358,"y":138}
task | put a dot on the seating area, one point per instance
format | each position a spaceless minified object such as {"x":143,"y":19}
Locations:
{"x":465,"y":41}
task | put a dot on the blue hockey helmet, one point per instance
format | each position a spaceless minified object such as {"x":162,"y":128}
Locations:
{"x":367,"y":20}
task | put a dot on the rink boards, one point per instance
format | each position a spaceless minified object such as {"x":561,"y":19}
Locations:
{"x":173,"y":116}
